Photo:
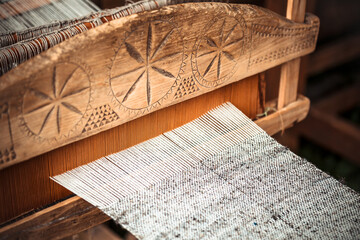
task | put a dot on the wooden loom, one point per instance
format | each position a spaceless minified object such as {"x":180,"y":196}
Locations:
{"x":75,"y":102}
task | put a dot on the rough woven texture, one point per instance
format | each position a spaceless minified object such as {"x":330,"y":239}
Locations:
{"x":218,"y":177}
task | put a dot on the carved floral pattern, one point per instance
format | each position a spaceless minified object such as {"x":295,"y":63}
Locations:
{"x":149,"y":78}
{"x":215,"y":54}
{"x":51,"y":108}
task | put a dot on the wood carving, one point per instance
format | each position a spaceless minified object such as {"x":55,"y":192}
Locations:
{"x":186,"y":86}
{"x":138,"y":64}
{"x":218,"y":49}
{"x":7,"y":151}
{"x":61,"y":94}
{"x":155,"y":55}
{"x":99,"y":117}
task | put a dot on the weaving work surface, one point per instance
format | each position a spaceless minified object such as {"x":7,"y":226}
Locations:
{"x":219,"y":176}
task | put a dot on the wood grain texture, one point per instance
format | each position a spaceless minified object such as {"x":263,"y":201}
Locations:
{"x":75,"y":215}
{"x":285,"y":117}
{"x":27,"y":186}
{"x":289,"y":79}
{"x":132,"y":66}
{"x":296,"y":10}
{"x":289,"y":75}
{"x":56,"y":222}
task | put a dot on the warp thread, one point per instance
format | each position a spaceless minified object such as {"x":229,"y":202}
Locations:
{"x":217,"y":177}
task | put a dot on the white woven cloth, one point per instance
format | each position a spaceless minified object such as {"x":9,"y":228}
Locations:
{"x":217,"y":177}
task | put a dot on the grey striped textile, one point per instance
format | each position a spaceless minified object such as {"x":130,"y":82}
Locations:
{"x":217,"y":177}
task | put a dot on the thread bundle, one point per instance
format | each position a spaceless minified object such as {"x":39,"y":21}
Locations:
{"x":38,"y":29}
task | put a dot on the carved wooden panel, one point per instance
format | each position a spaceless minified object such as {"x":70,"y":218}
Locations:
{"x":138,"y":64}
{"x":218,"y":50}
{"x":7,"y":150}
{"x":154,"y":58}
{"x":53,"y":107}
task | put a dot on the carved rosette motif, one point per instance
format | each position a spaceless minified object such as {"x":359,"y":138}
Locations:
{"x":149,"y":52}
{"x":216,"y":51}
{"x":52,"y":108}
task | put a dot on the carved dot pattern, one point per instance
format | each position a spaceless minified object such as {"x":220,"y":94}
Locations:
{"x":52,"y":107}
{"x":141,"y":75}
{"x":101,"y":116}
{"x":186,"y":87}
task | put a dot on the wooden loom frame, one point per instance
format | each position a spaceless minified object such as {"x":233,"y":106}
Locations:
{"x":74,"y":214}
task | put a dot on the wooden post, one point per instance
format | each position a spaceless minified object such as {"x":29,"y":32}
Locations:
{"x":289,"y":75}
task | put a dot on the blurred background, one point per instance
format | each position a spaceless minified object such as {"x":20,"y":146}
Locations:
{"x":330,"y":136}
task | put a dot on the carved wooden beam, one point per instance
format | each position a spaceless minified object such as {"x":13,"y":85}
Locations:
{"x":75,"y":214}
{"x":138,"y":64}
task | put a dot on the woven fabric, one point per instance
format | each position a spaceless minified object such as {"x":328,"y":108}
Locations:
{"x":218,"y":177}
